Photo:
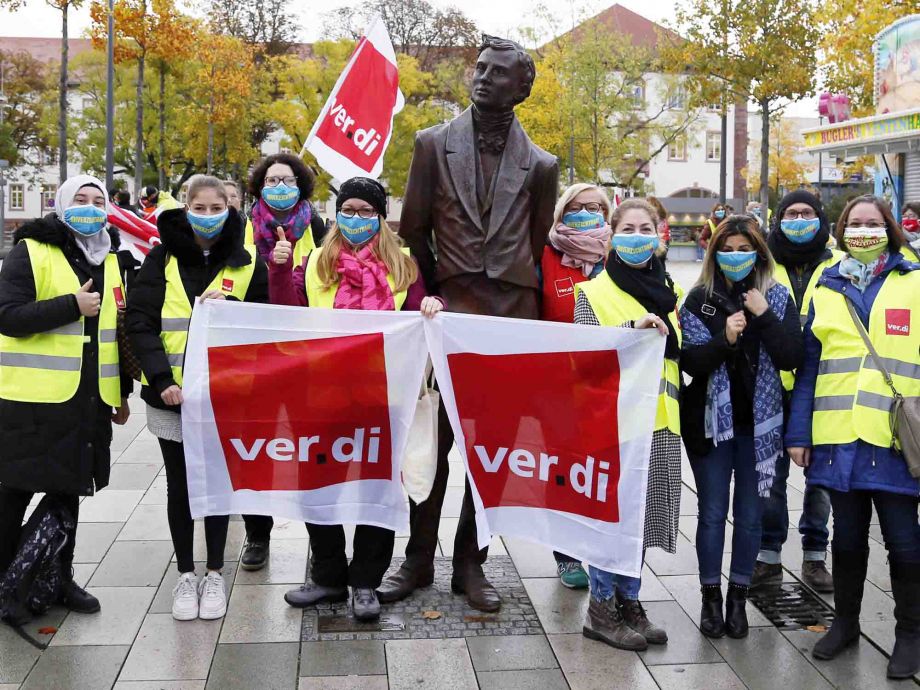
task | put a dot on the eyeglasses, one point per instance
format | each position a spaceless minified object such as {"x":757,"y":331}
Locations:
{"x":273,"y":181}
{"x":871,"y":225}
{"x":366,"y":213}
{"x":808,"y":214}
{"x":590,"y":208}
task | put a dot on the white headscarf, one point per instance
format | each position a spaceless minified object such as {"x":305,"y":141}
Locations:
{"x":94,"y":247}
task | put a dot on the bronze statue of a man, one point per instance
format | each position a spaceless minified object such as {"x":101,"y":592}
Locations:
{"x":478,"y":207}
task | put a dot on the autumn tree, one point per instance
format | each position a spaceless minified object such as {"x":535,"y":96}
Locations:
{"x":593,"y":105}
{"x":786,"y":150}
{"x":268,"y":30}
{"x":26,"y":87}
{"x":764,"y":50}
{"x":848,"y":30}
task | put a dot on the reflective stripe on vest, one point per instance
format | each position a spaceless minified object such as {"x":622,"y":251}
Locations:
{"x":319,"y":296}
{"x":614,"y":307}
{"x":852,"y":400}
{"x":45,"y":367}
{"x":177,"y":310}
{"x":782,"y":277}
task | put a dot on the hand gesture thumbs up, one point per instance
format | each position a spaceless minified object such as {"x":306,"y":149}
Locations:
{"x":282,"y":251}
{"x":87,"y":301}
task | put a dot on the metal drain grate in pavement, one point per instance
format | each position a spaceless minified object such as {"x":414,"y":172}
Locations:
{"x":791,"y":606}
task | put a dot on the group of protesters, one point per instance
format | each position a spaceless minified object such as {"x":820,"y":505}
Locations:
{"x":767,"y":360}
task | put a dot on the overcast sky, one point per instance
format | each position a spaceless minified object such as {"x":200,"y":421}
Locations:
{"x":492,"y":16}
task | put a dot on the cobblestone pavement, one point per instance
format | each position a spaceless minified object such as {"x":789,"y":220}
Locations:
{"x":125,"y":557}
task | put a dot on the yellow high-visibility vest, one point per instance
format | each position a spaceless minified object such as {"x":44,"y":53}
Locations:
{"x":319,"y":296}
{"x":852,"y":400}
{"x":45,"y":367}
{"x":782,"y":277}
{"x":614,"y":307}
{"x":176,"y":313}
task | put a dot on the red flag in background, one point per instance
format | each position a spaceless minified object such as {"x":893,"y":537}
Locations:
{"x":353,"y":129}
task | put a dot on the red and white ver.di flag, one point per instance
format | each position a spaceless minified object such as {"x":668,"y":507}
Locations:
{"x":353,"y":129}
{"x":300,"y":413}
{"x":554,"y":423}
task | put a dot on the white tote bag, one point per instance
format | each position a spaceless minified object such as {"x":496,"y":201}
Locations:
{"x":421,"y":460}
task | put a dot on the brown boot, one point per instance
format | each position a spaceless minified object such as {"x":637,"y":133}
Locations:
{"x":634,"y":615}
{"x":480,"y":594}
{"x":402,"y":583}
{"x":603,"y":622}
{"x":815,"y":575}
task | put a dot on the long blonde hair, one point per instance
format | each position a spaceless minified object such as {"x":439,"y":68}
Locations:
{"x":748,"y":227}
{"x":387,"y":247}
{"x":573,"y":191}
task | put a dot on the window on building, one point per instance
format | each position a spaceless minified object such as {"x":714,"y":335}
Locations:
{"x":87,"y":102}
{"x":713,"y":146}
{"x":677,"y":97}
{"x":284,"y":149}
{"x":677,"y":149}
{"x":48,"y":192}
{"x":636,"y":93}
{"x":17,"y":193}
{"x":715,"y":107}
{"x":47,"y":157}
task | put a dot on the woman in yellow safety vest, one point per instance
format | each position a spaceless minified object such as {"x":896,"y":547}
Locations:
{"x":634,"y":290}
{"x":201,"y":257}
{"x":361,"y":265}
{"x":60,"y":379}
{"x":910,"y":224}
{"x":840,"y":427}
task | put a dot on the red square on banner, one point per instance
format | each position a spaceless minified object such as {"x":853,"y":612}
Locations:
{"x":303,"y":414}
{"x":897,"y":321}
{"x":541,"y":429}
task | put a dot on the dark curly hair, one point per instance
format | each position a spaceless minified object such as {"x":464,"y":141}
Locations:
{"x":304,"y":175}
{"x":523,"y":57}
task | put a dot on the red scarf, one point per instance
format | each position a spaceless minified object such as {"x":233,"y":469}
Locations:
{"x":363,"y":281}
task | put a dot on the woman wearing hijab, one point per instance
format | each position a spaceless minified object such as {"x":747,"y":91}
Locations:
{"x":635,"y":291}
{"x":60,"y":382}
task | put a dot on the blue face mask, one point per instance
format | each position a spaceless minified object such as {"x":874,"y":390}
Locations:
{"x":736,"y":266}
{"x":583,"y":220}
{"x":207,"y":226}
{"x":800,"y":230}
{"x":282,"y":197}
{"x":719,"y":214}
{"x":86,"y":220}
{"x":357,"y":230}
{"x":635,"y":249}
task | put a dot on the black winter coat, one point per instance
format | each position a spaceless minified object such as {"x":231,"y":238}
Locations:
{"x":53,"y":447}
{"x":145,"y":301}
{"x":782,"y":339}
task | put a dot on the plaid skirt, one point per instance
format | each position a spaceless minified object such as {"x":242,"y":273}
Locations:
{"x":662,"y":502}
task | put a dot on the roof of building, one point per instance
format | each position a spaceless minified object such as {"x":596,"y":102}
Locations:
{"x":641,"y":32}
{"x":44,"y":49}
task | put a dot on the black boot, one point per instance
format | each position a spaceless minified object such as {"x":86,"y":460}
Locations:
{"x":905,"y":586}
{"x":712,"y":623}
{"x":736,"y":622}
{"x":77,"y":599}
{"x":849,"y":580}
{"x":255,"y":554}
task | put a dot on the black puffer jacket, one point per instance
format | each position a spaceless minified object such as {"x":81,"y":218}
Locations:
{"x":53,"y":447}
{"x":782,"y":340}
{"x":145,"y":302}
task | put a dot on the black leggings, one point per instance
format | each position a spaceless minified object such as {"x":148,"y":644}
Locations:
{"x":181,"y":525}
{"x":13,"y":505}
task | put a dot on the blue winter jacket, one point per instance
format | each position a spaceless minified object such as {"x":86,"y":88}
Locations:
{"x":856,"y":465}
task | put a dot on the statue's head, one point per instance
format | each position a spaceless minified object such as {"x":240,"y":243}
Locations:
{"x":503,"y":76}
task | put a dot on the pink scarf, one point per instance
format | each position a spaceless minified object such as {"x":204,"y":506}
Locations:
{"x":363,"y":281}
{"x":582,"y":249}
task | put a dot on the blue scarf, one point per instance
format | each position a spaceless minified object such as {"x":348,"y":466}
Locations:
{"x":768,"y":396}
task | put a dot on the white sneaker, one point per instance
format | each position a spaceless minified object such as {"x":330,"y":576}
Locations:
{"x":213,"y":597}
{"x":185,"y":598}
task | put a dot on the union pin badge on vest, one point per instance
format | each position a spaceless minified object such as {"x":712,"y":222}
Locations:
{"x":119,"y":297}
{"x":227,"y":285}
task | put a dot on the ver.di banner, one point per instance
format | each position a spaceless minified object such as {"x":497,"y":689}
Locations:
{"x":300,"y":413}
{"x":554,"y":423}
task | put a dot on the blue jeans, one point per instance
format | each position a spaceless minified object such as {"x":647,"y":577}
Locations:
{"x":713,"y":473}
{"x":604,"y":584}
{"x":897,"y":516}
{"x":700,"y":251}
{"x":816,"y":510}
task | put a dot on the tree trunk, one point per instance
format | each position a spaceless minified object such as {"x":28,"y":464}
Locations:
{"x":162,"y":155}
{"x":764,"y":158}
{"x":139,"y":130}
{"x":62,"y":95}
{"x":211,"y":136}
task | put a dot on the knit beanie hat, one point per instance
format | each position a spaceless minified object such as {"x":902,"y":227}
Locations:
{"x":363,"y":188}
